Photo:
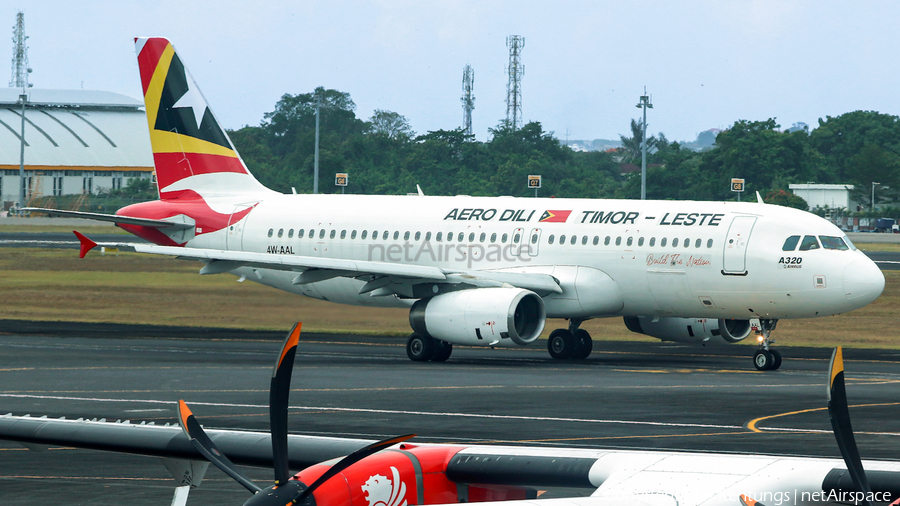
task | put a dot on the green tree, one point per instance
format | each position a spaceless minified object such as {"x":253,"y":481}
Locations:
{"x":841,"y":138}
{"x":786,"y":199}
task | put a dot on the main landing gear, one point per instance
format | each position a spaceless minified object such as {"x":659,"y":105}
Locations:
{"x":421,"y":348}
{"x":765,"y":358}
{"x":570,"y":343}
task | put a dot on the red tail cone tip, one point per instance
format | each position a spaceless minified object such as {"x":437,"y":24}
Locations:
{"x":86,"y":244}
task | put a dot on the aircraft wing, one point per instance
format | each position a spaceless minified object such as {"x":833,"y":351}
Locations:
{"x":382,"y":278}
{"x":649,"y":478}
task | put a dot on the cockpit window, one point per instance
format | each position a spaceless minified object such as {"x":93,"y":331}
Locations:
{"x":809,"y":242}
{"x":829,"y":242}
{"x":791,"y":243}
{"x":849,"y":243}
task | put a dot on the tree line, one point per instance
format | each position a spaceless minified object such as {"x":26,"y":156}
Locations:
{"x":383,"y":155}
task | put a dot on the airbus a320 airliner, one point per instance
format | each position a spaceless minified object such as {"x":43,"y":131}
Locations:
{"x":487,"y":271}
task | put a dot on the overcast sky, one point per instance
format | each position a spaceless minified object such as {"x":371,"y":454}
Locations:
{"x":705,"y":63}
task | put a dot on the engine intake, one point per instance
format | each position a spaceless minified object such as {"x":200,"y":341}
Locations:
{"x":481,"y":316}
{"x":690,"y":330}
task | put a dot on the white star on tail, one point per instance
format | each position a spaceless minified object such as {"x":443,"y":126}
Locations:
{"x":193,"y":99}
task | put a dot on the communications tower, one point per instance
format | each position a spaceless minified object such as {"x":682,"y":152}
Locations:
{"x":20,"y":68}
{"x":516,"y":70}
{"x":468,"y":99}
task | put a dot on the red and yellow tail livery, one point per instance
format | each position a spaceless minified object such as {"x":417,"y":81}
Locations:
{"x":188,"y":142}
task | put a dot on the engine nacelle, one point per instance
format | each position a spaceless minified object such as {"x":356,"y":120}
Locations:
{"x":690,"y":330}
{"x":481,"y":317}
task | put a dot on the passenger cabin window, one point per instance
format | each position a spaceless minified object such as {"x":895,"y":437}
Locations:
{"x":709,"y":243}
{"x":641,"y":241}
{"x":290,"y":233}
{"x":483,"y":237}
{"x":503,"y":238}
{"x":427,"y":236}
{"x":271,"y":231}
{"x":790,"y":244}
{"x":300,"y":233}
{"x":406,"y":236}
{"x":461,"y":237}
{"x":583,"y":240}
{"x":829,"y":242}
{"x":384,"y":236}
{"x":343,"y":234}
{"x":322,"y":234}
{"x":419,"y":235}
{"x":280,"y":232}
{"x":332,"y":234}
{"x":573,"y":239}
{"x":596,"y":240}
{"x":312,"y":233}
{"x":652,"y":241}
{"x":562,"y":238}
{"x":628,"y":242}
{"x":449,"y":236}
{"x":534,"y":238}
{"x":698,"y":242}
{"x":606,"y":241}
{"x":662,"y":242}
{"x":550,"y":239}
{"x":439,"y":236}
{"x":809,"y":242}
{"x":353,"y":235}
{"x":494,"y":237}
{"x":365,"y":233}
{"x":472,"y":237}
{"x":618,"y":241}
{"x":397,"y":235}
{"x":687,"y":243}
{"x":675,"y":242}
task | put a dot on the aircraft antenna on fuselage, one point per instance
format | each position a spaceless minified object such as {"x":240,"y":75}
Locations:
{"x":759,"y":198}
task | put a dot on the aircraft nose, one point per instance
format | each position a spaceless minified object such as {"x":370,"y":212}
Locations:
{"x":863,"y":282}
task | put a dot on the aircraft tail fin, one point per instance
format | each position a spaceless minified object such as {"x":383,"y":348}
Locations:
{"x":191,"y":151}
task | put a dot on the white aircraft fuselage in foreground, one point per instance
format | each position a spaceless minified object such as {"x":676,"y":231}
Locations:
{"x":489,"y":270}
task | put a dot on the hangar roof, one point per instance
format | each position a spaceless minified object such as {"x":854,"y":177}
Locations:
{"x":74,"y":130}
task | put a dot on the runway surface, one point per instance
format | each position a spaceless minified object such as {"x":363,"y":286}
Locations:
{"x":647,"y":395}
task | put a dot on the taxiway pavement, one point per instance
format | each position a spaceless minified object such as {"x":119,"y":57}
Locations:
{"x":647,"y":395}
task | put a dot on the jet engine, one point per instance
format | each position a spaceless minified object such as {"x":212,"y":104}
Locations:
{"x":481,"y":317}
{"x":690,"y":330}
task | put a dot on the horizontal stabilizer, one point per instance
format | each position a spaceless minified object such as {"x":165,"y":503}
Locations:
{"x":114,"y":218}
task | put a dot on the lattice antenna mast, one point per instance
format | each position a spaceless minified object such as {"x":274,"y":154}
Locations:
{"x":468,"y":97}
{"x":20,"y":68}
{"x":516,"y":70}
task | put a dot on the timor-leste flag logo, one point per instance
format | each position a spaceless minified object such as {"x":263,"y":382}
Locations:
{"x":555,"y":216}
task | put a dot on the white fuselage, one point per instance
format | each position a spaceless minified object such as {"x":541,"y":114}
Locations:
{"x":612,"y":257}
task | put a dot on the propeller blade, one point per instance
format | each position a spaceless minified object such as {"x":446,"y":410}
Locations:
{"x":749,"y":501}
{"x":279,"y":391}
{"x":348,"y":461}
{"x":205,"y":446}
{"x":840,"y":422}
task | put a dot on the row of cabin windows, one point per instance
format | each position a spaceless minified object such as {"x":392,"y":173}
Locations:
{"x":503,"y":238}
{"x":301,"y":233}
{"x":629,"y":241}
{"x":810,"y":242}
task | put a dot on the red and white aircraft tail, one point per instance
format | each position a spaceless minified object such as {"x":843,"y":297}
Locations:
{"x":192,"y":153}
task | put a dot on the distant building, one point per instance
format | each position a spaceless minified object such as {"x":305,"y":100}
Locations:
{"x":77,"y":141}
{"x":832,"y":196}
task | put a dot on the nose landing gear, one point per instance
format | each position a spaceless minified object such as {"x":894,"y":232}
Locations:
{"x":765,"y":358}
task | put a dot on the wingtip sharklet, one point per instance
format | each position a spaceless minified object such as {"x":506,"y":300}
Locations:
{"x":86,"y":244}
